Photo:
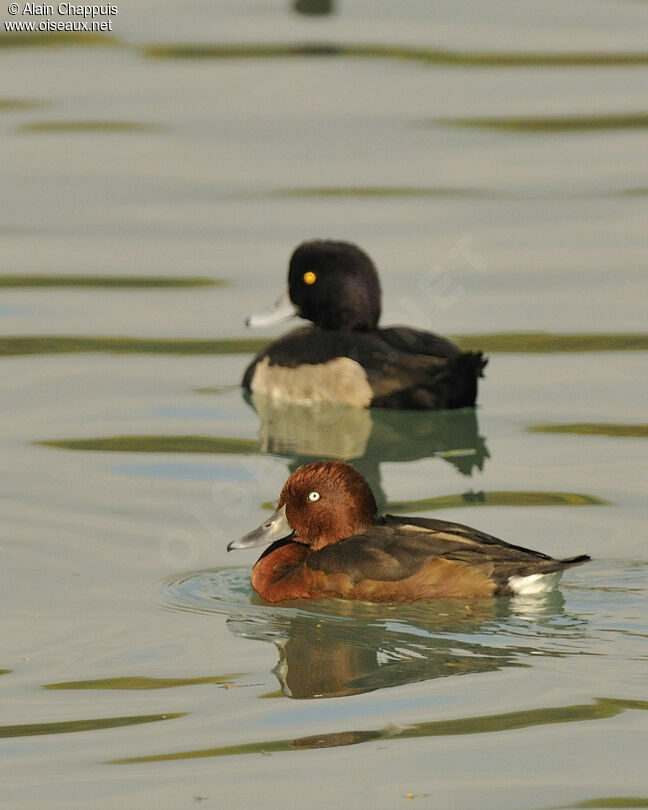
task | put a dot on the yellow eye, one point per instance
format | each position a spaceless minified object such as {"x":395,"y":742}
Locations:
{"x":309,"y":277}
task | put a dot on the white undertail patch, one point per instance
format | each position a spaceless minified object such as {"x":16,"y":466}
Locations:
{"x":534,"y":583}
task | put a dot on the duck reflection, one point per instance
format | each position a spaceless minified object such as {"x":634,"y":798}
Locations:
{"x":366,"y":436}
{"x":350,"y":648}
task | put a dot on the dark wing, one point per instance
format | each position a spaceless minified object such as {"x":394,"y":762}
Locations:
{"x":467,"y":536}
{"x":417,"y":341}
{"x":382,"y":555}
{"x":398,"y":548}
{"x":430,"y":372}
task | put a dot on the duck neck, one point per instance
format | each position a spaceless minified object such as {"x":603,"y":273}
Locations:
{"x":274,"y":565}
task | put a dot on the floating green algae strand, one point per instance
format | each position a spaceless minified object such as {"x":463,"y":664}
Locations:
{"x":494,"y":498}
{"x":45,"y":39}
{"x":72,"y":726}
{"x":432,"y":56}
{"x":600,"y":709}
{"x":63,"y":344}
{"x":18,"y":281}
{"x":157,"y":444}
{"x":546,"y":342}
{"x":595,"y":429}
{"x":88,"y":126}
{"x":138,"y":682}
{"x":608,"y":802}
{"x":379,"y":191}
{"x":18,"y":104}
{"x":567,"y":123}
{"x":505,"y":342}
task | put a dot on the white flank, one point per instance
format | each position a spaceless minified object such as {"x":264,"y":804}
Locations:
{"x":341,"y":381}
{"x":534,"y":583}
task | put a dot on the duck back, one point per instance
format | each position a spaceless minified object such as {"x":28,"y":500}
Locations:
{"x":397,"y":367}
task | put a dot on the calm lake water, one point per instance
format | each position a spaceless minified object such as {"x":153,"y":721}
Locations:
{"x":491,"y":158}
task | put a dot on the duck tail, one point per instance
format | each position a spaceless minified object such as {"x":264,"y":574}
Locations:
{"x":539,"y":577}
{"x":569,"y":562}
{"x":461,"y":376}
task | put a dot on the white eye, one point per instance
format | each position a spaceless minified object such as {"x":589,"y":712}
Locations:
{"x":313,"y":496}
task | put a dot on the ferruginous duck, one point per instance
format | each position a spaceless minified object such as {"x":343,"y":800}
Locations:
{"x":328,"y":540}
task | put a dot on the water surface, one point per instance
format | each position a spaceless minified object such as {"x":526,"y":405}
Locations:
{"x":492,"y":160}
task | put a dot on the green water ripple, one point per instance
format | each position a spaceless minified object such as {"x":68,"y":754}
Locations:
{"x":607,"y":802}
{"x":8,"y":104}
{"x":504,"y":342}
{"x":64,"y":344}
{"x":551,"y":124}
{"x":47,"y":39}
{"x":89,"y":126}
{"x":430,"y":56}
{"x":71,"y":726}
{"x":495,"y":498}
{"x":26,"y":281}
{"x":595,"y":429}
{"x":600,"y":709}
{"x":158,"y":444}
{"x":139,"y":682}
